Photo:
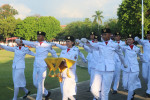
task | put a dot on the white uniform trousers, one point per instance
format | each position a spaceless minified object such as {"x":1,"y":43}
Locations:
{"x":101,"y":84}
{"x":146,"y":75}
{"x":131,"y":80}
{"x":68,"y":88}
{"x":19,"y":77}
{"x":39,"y":75}
{"x":92,"y":76}
{"x":116,"y":77}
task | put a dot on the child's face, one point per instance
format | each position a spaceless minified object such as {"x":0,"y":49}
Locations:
{"x":117,"y":38}
{"x":40,"y":38}
{"x":95,"y":40}
{"x":69,"y":43}
{"x":106,"y":36}
{"x":130,"y":41}
{"x":19,"y":44}
{"x":148,"y":36}
{"x":92,"y":37}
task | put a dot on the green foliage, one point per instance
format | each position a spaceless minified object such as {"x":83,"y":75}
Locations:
{"x":7,"y":26}
{"x":7,"y":11}
{"x":130,"y":16}
{"x":113,"y":24}
{"x":79,"y":29}
{"x":30,"y":25}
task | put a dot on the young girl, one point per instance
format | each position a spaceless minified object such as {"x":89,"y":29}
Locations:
{"x":68,"y":85}
{"x":130,"y":78}
{"x":18,"y":68}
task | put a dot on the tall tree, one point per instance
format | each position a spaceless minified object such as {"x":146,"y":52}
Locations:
{"x":30,"y":25}
{"x":98,"y":18}
{"x":7,"y":11}
{"x":129,"y":15}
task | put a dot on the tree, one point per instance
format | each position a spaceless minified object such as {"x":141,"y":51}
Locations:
{"x":80,"y":29}
{"x":129,"y":15}
{"x":7,"y":11}
{"x":113,"y":24}
{"x":98,"y":18}
{"x":7,"y":26}
{"x":30,"y":25}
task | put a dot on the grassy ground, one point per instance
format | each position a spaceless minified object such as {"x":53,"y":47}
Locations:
{"x":6,"y":83}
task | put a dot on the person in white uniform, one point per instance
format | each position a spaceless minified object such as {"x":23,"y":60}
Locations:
{"x":103,"y":74}
{"x":146,"y":65}
{"x":68,"y":84}
{"x":18,"y":68}
{"x":118,"y":64}
{"x":130,"y":77}
{"x":40,"y":66}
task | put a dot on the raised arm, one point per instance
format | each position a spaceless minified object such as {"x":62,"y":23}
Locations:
{"x":82,"y":57}
{"x":28,"y":51}
{"x":53,"y":52}
{"x":141,"y":42}
{"x":29,"y":43}
{"x":8,"y":48}
{"x":61,"y":46}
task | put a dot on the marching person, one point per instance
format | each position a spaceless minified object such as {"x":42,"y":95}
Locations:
{"x":146,"y":65}
{"x":68,"y":84}
{"x":130,"y":77}
{"x":103,"y":74}
{"x":40,"y":67}
{"x":118,"y":64}
{"x":18,"y":68}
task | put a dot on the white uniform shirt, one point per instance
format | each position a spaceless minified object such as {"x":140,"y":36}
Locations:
{"x":42,"y":51}
{"x":131,"y":58}
{"x":107,"y":55}
{"x":72,"y":54}
{"x":19,"y":56}
{"x":146,"y":48}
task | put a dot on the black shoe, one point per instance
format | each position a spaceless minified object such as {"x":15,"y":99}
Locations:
{"x":48,"y":95}
{"x":25,"y":96}
{"x":114,"y":92}
{"x":147,"y":95}
{"x":133,"y":96}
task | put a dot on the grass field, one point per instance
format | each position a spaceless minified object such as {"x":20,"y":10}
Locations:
{"x":6,"y":83}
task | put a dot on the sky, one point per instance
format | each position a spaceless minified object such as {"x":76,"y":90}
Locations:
{"x":65,"y":11}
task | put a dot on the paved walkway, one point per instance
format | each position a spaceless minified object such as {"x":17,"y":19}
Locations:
{"x":82,"y":94}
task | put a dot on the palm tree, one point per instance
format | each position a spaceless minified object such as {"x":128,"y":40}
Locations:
{"x":98,"y":18}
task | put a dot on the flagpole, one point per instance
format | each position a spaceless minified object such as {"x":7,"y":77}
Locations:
{"x":142,"y":21}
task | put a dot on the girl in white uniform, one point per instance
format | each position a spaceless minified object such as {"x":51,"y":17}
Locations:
{"x":18,"y":67}
{"x":68,"y":85}
{"x":130,"y":78}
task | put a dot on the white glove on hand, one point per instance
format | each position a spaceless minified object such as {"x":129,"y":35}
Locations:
{"x":18,"y":41}
{"x":78,"y":41}
{"x":53,"y":44}
{"x":83,"y":40}
{"x":81,"y":45}
{"x":136,"y":38}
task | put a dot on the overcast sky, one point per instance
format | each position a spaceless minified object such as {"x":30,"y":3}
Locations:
{"x":65,"y":11}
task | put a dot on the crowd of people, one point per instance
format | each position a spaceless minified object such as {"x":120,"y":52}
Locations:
{"x":106,"y":59}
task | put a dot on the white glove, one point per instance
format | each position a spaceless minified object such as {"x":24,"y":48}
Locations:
{"x":83,"y":40}
{"x":136,"y":38}
{"x":78,"y":41}
{"x":18,"y":41}
{"x":81,"y":45}
{"x":53,"y":44}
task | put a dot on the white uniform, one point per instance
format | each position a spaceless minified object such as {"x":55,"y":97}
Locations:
{"x":68,"y":85}
{"x":80,"y":53}
{"x":18,"y":67}
{"x":40,"y":67}
{"x":105,"y":69}
{"x":117,"y":67}
{"x":146,"y":65}
{"x":130,"y":78}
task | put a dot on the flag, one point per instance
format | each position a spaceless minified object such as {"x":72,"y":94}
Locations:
{"x":58,"y":63}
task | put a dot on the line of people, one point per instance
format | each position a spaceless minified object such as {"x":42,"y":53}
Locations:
{"x":105,"y":61}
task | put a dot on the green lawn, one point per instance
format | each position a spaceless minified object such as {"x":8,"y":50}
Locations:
{"x":6,"y":83}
